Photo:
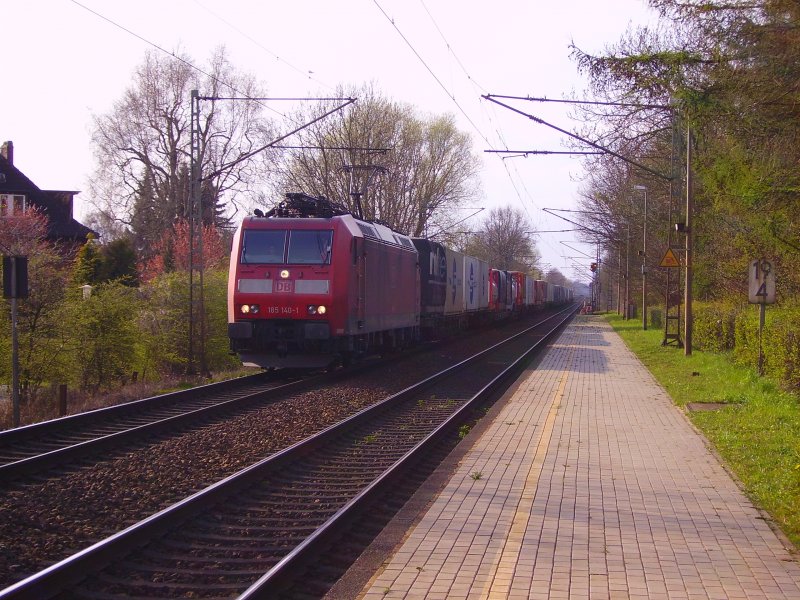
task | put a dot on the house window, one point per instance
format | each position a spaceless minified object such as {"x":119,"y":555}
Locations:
{"x":12,"y":204}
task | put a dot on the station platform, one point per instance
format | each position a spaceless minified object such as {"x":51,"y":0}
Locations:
{"x":589,"y":483}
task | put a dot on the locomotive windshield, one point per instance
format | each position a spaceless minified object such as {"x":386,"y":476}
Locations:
{"x":269,"y":247}
{"x":259,"y":247}
{"x":310,"y":247}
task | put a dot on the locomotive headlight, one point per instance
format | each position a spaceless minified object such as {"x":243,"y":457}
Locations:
{"x":313,"y":309}
{"x":249,"y":309}
{"x":285,"y":274}
{"x":245,"y":309}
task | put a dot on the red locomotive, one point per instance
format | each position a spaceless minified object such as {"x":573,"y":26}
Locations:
{"x":311,"y":285}
{"x":307,"y":289}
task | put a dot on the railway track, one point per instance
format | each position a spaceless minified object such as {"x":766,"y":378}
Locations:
{"x":34,"y":448}
{"x":256,"y":532}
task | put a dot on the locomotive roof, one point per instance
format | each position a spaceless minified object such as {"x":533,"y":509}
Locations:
{"x":305,"y":208}
{"x":356,"y":227}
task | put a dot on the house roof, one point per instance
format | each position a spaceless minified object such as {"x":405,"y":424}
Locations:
{"x":56,"y":204}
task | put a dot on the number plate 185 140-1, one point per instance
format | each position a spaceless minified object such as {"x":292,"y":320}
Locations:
{"x":281,"y":310}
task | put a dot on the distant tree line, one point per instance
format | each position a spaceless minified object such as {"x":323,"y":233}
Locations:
{"x":727,"y":72}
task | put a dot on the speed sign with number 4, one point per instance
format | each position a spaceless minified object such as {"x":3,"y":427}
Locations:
{"x":762,"y":282}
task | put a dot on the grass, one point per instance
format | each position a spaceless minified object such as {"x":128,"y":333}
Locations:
{"x":757,"y":433}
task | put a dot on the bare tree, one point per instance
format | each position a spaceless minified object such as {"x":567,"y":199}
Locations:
{"x":143,"y":145}
{"x":557,"y":277}
{"x":405,"y":170}
{"x":504,"y":241}
{"x":23,"y":234}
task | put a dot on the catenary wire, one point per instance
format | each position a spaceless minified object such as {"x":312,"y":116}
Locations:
{"x":305,"y":74}
{"x":172,"y":55}
{"x":515,"y":178}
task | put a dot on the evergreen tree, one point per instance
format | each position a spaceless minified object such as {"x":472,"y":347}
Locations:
{"x":147,"y":218}
{"x":119,"y":262}
{"x":88,"y":263}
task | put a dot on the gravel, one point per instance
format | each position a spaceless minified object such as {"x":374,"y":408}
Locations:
{"x":41,"y":523}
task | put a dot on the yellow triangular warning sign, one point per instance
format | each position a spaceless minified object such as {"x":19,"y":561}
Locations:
{"x":669,"y":260}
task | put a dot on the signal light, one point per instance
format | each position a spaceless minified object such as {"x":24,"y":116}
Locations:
{"x":594,"y":267}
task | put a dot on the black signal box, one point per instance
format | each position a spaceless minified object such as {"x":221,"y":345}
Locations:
{"x":15,"y":277}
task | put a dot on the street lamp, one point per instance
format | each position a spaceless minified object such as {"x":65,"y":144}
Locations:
{"x":627,"y":310}
{"x":644,"y":258}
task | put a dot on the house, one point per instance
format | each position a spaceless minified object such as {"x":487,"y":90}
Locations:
{"x":17,"y":193}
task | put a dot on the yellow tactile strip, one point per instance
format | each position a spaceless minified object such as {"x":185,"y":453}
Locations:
{"x":590,"y":484}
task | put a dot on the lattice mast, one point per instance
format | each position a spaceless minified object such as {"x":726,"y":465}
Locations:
{"x":197,"y":318}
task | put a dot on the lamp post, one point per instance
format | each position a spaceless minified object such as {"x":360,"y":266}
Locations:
{"x":619,"y":278}
{"x":627,"y":310}
{"x":644,"y":258}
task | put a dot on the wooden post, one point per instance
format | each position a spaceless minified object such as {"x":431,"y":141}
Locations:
{"x":62,"y":400}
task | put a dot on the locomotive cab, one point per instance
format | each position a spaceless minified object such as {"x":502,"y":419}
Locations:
{"x":282,"y":297}
{"x":310,"y":285}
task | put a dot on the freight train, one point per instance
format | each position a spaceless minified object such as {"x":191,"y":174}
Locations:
{"x":310,"y":285}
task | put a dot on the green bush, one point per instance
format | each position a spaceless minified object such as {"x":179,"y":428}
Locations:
{"x":218,"y":353}
{"x":722,"y":327}
{"x":164,"y":319}
{"x":782,"y":345}
{"x":746,"y":337}
{"x":103,"y":336}
{"x":715,"y":326}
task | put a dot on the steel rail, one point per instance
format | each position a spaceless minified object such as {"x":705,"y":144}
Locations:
{"x":56,"y":578}
{"x":64,"y":455}
{"x":281,"y":574}
{"x":28,"y":432}
{"x":63,"y":426}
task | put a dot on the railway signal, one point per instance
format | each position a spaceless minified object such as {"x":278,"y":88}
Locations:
{"x":15,"y":285}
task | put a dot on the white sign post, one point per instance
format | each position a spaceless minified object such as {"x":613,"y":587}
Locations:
{"x":761,"y":291}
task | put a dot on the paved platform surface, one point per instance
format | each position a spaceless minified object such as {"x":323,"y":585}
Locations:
{"x":590,"y":483}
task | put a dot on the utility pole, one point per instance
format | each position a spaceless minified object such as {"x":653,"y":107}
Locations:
{"x":599,"y":263}
{"x":672,"y":322}
{"x":644,"y":259}
{"x":619,"y":278}
{"x":194,"y":214}
{"x":687,"y":321}
{"x":626,"y":311}
{"x":197,"y":313}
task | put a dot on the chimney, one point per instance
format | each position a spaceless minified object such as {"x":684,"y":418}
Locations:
{"x":7,"y":151}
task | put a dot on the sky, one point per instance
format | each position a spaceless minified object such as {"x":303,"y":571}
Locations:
{"x":67,"y":60}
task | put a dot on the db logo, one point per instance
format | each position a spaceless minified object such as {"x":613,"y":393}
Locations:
{"x":283,"y":286}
